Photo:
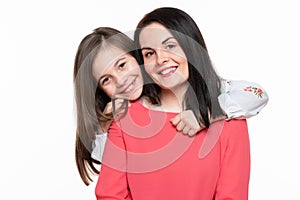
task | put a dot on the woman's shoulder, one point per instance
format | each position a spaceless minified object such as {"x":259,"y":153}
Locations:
{"x":235,"y":123}
{"x":235,"y":129}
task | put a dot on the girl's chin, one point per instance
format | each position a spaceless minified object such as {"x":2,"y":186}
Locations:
{"x":135,"y":95}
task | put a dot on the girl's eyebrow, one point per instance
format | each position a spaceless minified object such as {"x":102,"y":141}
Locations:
{"x":163,"y":42}
{"x":118,"y":61}
{"x":115,"y":64}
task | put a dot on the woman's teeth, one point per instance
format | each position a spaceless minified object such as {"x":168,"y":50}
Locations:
{"x":166,"y":71}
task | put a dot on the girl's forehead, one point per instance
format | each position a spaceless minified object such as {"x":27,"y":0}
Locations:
{"x":110,"y":52}
{"x":106,"y":57}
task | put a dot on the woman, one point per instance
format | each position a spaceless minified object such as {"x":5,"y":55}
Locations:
{"x":141,"y":159}
{"x":93,"y":95}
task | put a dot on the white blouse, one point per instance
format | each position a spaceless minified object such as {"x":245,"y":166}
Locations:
{"x":238,"y":99}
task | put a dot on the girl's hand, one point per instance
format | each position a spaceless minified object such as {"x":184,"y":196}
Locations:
{"x":104,"y":126}
{"x":187,"y":123}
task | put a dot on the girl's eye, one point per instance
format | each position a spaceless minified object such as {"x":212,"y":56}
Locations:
{"x":122,"y":65}
{"x":104,"y":80}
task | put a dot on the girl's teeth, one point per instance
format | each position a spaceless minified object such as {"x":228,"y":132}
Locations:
{"x":129,"y":88}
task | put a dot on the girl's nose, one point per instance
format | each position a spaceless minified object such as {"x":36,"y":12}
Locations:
{"x":121,"y":79}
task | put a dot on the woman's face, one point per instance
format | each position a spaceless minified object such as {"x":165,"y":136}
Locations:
{"x":164,"y":59}
{"x":118,"y":73}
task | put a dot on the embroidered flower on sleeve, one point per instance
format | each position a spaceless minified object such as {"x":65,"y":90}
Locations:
{"x":254,"y":90}
{"x":226,"y":81}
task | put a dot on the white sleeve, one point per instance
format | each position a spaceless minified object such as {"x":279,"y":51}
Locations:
{"x":98,"y":146}
{"x":242,"y":99}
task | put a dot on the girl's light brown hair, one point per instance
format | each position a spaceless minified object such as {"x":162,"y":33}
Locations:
{"x":89,"y":98}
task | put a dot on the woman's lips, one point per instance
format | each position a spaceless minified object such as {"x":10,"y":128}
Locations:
{"x":168,"y":71}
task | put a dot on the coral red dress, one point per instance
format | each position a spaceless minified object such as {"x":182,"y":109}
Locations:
{"x":145,"y":158}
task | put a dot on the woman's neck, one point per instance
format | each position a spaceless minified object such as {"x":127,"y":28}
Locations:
{"x":170,"y":102}
{"x":173,"y":100}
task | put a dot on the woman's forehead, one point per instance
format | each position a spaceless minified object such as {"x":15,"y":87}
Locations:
{"x":154,"y":34}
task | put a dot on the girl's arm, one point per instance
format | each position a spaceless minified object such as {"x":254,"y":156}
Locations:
{"x":238,"y":99}
{"x":101,"y":136}
{"x":112,"y":181}
{"x":242,"y":99}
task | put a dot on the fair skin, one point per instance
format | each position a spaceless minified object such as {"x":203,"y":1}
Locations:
{"x":118,"y":73}
{"x":119,"y":76}
{"x":167,"y":65}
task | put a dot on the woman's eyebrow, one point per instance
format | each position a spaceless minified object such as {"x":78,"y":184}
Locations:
{"x":146,"y":48}
{"x":166,"y":40}
{"x":163,"y":42}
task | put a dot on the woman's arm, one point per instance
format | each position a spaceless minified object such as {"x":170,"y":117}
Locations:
{"x":112,"y":182}
{"x":233,"y":182}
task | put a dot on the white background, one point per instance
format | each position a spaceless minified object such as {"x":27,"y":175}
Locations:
{"x":254,"y":40}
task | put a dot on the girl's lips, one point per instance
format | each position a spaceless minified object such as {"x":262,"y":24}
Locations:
{"x":129,"y":88}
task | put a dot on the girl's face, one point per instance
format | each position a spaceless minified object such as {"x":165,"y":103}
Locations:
{"x":118,"y":73}
{"x":164,"y":59}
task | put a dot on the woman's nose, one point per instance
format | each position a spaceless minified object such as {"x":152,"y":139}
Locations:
{"x":162,"y":56}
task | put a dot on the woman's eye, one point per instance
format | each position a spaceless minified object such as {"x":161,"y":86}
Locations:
{"x":149,"y":53}
{"x":170,"y":46}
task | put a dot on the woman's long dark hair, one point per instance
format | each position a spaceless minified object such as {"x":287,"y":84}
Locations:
{"x":91,"y":100}
{"x":203,"y":79}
